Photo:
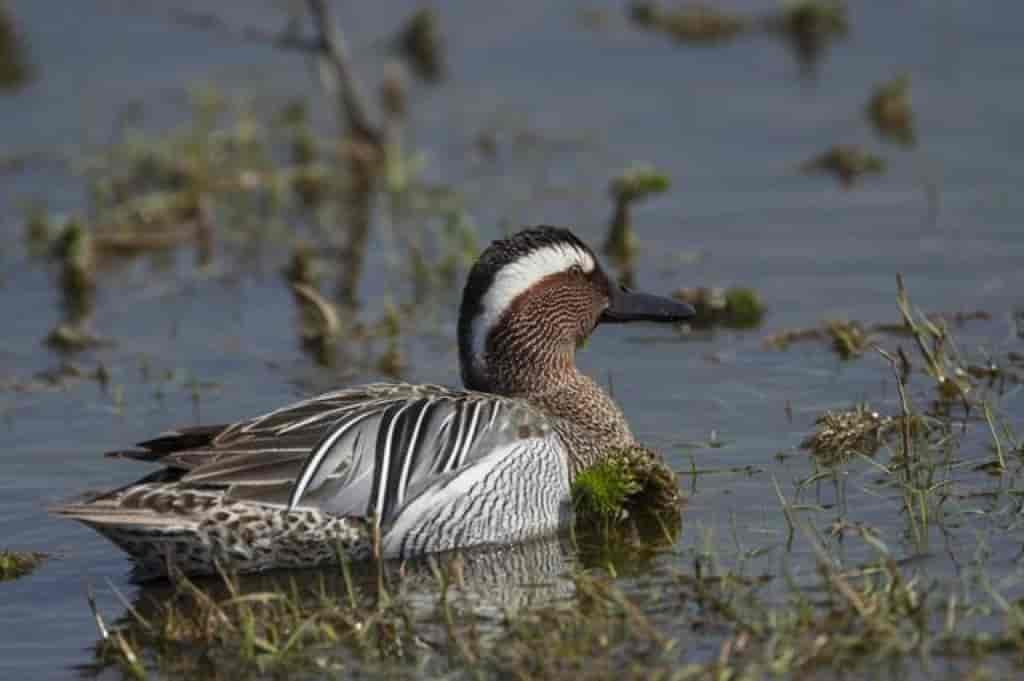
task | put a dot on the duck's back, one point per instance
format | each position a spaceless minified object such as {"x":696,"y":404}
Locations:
{"x":435,"y":468}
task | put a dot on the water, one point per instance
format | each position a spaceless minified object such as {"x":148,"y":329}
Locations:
{"x":570,"y":106}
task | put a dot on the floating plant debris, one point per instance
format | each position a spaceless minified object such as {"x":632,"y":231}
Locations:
{"x":69,"y":336}
{"x":738,"y":308}
{"x":422,"y":45}
{"x":846,"y":162}
{"x":841,"y":435}
{"x":697,"y":24}
{"x":890,"y":112}
{"x":849,"y":339}
{"x":809,"y":26}
{"x":15,"y":564}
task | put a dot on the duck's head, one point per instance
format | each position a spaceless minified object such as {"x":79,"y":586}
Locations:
{"x":532,"y":299}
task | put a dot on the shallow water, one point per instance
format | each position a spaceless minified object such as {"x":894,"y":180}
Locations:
{"x":571,"y":106}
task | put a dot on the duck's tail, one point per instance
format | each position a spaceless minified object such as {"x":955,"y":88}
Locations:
{"x":202,"y":531}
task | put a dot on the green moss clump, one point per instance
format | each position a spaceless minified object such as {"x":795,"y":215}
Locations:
{"x":600,"y":492}
{"x":15,"y":564}
{"x":628,"y":482}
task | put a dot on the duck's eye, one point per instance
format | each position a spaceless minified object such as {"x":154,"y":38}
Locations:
{"x":576,"y":271}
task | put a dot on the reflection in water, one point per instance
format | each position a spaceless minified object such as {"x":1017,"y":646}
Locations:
{"x":223,"y":628}
{"x":389,"y":611}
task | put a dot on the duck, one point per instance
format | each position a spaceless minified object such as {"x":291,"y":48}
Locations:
{"x":397,"y":470}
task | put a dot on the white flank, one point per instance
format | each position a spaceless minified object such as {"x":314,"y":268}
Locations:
{"x":517,"y":277}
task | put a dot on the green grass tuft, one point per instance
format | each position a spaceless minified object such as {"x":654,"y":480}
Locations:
{"x":601,"y":492}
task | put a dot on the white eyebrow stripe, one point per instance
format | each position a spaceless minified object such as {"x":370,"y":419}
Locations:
{"x":515,"y":278}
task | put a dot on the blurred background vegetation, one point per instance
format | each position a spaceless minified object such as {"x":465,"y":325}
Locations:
{"x":210,"y":208}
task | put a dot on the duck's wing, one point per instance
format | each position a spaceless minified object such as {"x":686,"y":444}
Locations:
{"x":361,"y":451}
{"x":515,"y":491}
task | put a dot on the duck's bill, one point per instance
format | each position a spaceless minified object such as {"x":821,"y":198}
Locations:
{"x":632,"y":306}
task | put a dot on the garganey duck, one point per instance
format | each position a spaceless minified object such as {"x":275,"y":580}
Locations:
{"x":401,"y":469}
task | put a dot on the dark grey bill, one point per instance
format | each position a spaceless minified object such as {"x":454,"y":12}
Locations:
{"x":631,"y":306}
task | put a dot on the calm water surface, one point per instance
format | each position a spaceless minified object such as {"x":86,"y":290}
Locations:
{"x":571,"y":106}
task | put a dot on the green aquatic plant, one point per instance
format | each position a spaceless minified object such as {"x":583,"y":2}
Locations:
{"x":421,"y":43}
{"x":810,"y":19}
{"x":15,"y":564}
{"x":890,"y":112}
{"x":809,"y":27}
{"x":848,"y":163}
{"x":848,"y":339}
{"x":937,"y":349}
{"x":213,"y":629}
{"x":601,"y":491}
{"x":697,"y":24}
{"x":629,"y":481}
{"x":840,"y":435}
{"x":634,"y":184}
{"x":737,"y":308}
{"x":76,"y":251}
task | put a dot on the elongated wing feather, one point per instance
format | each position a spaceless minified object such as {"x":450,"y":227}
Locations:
{"x":374,"y":459}
{"x":515,"y":491}
{"x":362,"y":451}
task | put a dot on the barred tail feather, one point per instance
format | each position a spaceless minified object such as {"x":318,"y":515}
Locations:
{"x":200,"y":532}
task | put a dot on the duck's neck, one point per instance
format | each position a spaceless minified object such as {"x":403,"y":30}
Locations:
{"x":584,"y":414}
{"x":591,"y":423}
